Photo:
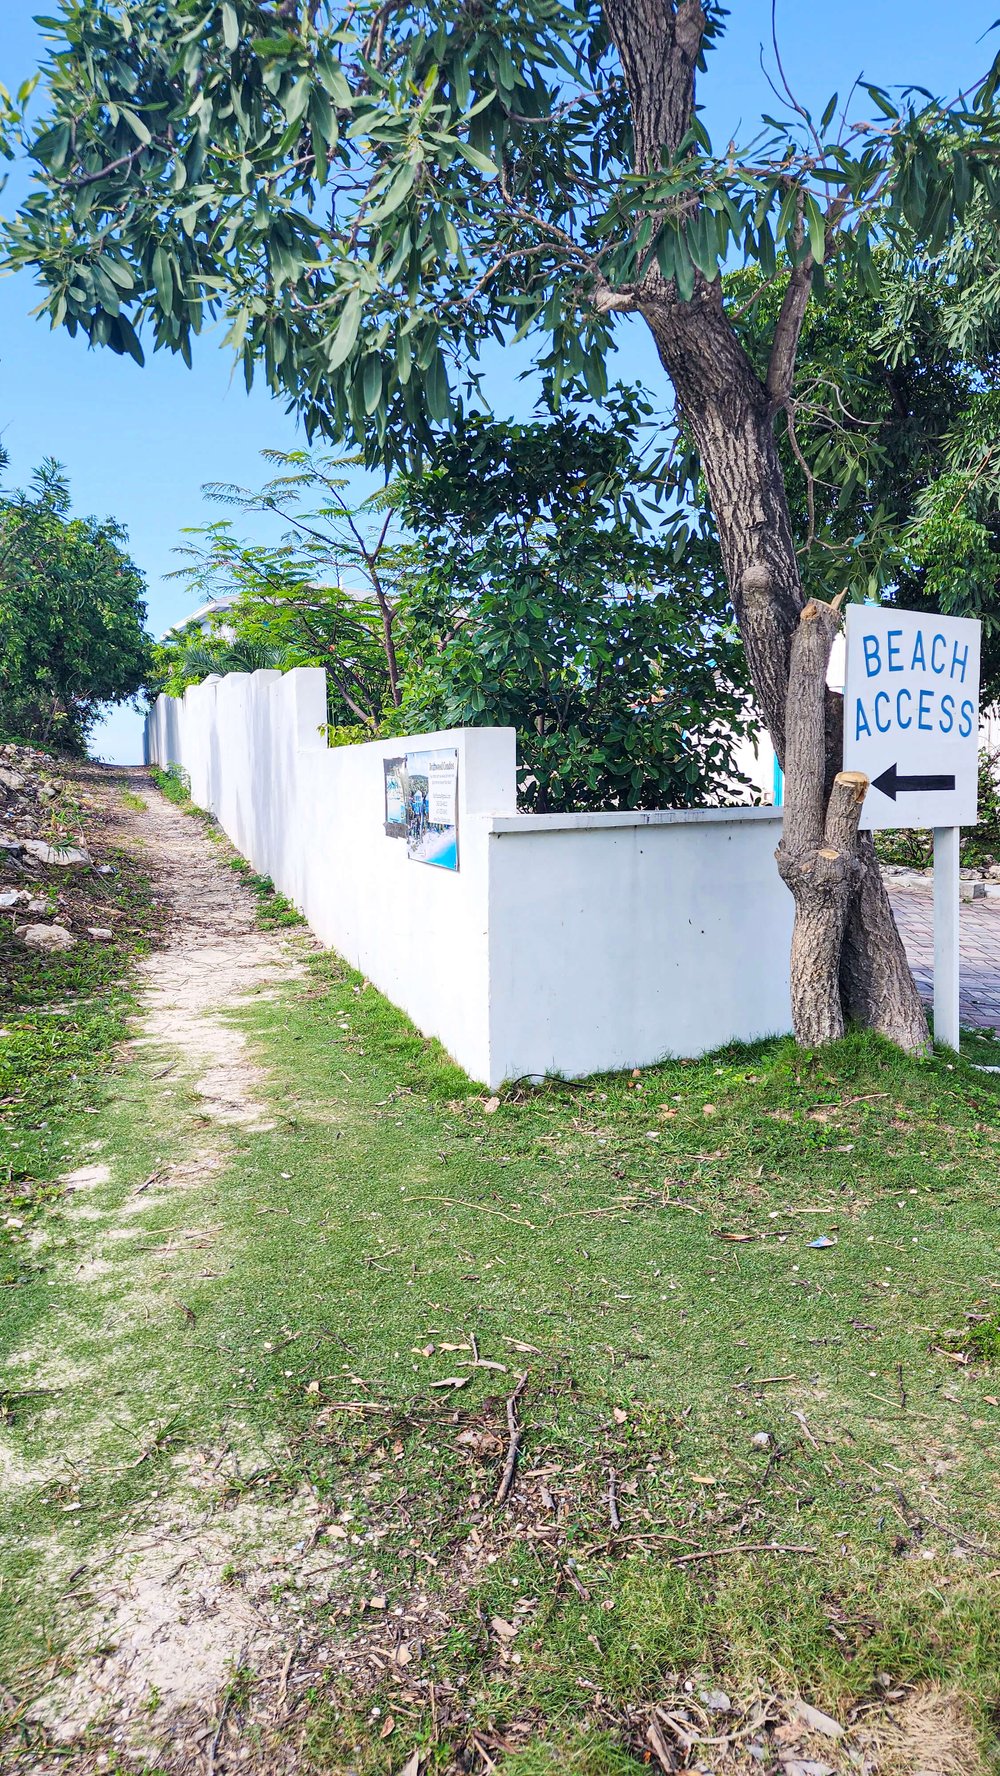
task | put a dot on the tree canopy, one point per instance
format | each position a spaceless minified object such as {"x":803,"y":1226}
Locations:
{"x":325,"y":592}
{"x":543,"y":607}
{"x":370,"y":197}
{"x":72,"y":616}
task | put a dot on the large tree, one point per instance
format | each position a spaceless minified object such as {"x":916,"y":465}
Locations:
{"x":72,"y":616}
{"x":371,"y":193}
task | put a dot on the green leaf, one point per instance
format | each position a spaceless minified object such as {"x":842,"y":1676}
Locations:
{"x":297,"y":102}
{"x":397,"y":193}
{"x":52,"y":146}
{"x":230,"y":25}
{"x":347,"y":332}
{"x":136,"y":125}
{"x":816,"y":226}
{"x":163,"y":278}
{"x":118,"y":273}
{"x":436,"y":390}
{"x":128,"y":340}
{"x":481,"y":161}
{"x":683,"y":271}
{"x":372,"y":382}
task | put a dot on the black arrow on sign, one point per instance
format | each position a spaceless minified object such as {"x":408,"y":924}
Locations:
{"x":892,"y":784}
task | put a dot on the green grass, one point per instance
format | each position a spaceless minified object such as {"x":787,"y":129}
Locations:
{"x":175,"y":784}
{"x":642,"y":1248}
{"x":61,"y":1017}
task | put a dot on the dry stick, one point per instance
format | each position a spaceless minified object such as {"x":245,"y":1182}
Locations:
{"x":741,"y":1548}
{"x":155,"y":1178}
{"x":283,"y":1681}
{"x":514,"y":1443}
{"x":458,"y":1202}
{"x":616,"y":1521}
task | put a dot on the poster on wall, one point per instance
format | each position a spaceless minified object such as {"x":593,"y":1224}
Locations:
{"x":432,"y":807}
{"x":395,"y":798}
{"x":421,"y":805}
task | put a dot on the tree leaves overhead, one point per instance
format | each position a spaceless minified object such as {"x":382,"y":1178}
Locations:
{"x":368,"y":197}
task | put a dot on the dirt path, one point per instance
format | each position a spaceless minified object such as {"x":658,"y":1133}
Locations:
{"x":157,"y":1600}
{"x":214,"y":957}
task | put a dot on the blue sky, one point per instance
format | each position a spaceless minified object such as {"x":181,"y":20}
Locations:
{"x":141,"y":443}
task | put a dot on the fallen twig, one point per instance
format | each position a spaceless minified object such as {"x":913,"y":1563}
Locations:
{"x":458,"y":1202}
{"x":765,"y":1381}
{"x":514,"y":1442}
{"x":741,"y":1548}
{"x":616,"y":1521}
{"x":283,"y":1681}
{"x":576,"y":1582}
{"x":154,"y":1178}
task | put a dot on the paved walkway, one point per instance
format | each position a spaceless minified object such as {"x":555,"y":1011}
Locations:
{"x":979,"y":942}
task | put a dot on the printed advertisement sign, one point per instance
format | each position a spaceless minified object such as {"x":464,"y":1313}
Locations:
{"x":421,"y":805}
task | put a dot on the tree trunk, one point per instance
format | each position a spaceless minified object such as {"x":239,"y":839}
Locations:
{"x":817,"y":856}
{"x":732,"y":418}
{"x":847,"y":945}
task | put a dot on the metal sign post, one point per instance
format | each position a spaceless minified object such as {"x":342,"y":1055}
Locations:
{"x":911,"y":724}
{"x":946,"y":959}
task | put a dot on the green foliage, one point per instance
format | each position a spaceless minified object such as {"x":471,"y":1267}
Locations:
{"x":173,"y":782}
{"x":979,"y":1343}
{"x":544,"y":608}
{"x":292,"y":606}
{"x":71,"y":616}
{"x":891,"y":448}
{"x":192,"y":656}
{"x":367,"y":199}
{"x":54,"y":1066}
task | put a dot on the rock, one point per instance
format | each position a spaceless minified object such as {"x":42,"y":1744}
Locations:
{"x":100,"y":933}
{"x":817,"y":1721}
{"x":716,"y":1701}
{"x":11,"y":779}
{"x":45,"y":937}
{"x":9,"y":898}
{"x":13,"y":847}
{"x":38,"y":905}
{"x":58,"y":856}
{"x":761,"y":1440}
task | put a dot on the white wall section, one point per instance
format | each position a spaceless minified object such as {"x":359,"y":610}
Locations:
{"x":566,"y":944}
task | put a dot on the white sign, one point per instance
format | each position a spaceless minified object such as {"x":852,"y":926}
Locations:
{"x":911,"y":715}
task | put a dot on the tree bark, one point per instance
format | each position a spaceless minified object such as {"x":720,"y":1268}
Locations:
{"x":850,"y":951}
{"x":817,"y":856}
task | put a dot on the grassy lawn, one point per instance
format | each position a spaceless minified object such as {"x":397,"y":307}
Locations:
{"x":755,"y":1302}
{"x":642,"y":1249}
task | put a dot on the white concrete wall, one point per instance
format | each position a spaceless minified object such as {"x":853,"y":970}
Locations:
{"x":564,"y":943}
{"x":619,"y":939}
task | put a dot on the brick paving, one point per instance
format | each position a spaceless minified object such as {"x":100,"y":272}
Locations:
{"x":979,"y":946}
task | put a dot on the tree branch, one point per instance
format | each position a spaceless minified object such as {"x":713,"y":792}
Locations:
{"x":787,"y":332}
